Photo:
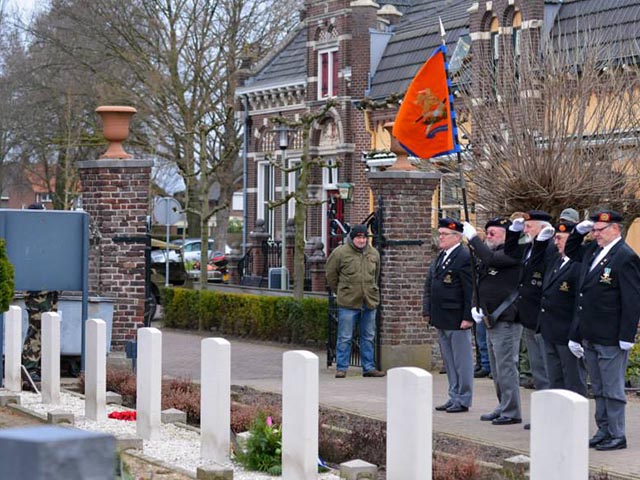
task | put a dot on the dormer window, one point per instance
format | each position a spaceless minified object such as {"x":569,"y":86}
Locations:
{"x":328,"y":73}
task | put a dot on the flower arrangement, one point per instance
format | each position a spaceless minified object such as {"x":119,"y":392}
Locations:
{"x":263,"y":450}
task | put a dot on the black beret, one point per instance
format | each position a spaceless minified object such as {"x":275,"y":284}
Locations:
{"x":606,"y":216}
{"x":537,"y":215}
{"x":358,"y":230}
{"x":498,"y":222}
{"x":450,"y":223}
{"x":564,"y":226}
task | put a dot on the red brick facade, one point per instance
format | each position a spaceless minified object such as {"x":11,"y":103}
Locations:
{"x":115,"y":194}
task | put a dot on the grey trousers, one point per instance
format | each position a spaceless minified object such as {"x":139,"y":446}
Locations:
{"x":537,"y":363}
{"x":564,"y":369}
{"x":457,"y":353}
{"x":503,"y":341}
{"x":606,"y":366}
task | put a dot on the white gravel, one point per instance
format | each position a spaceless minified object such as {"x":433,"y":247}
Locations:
{"x":176,"y":446}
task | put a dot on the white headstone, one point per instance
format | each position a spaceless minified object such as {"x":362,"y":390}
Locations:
{"x":149,"y":383}
{"x":300,"y":393}
{"x":95,"y":374}
{"x":50,"y":357}
{"x":409,"y":423}
{"x":13,"y":349}
{"x":559,"y":435}
{"x":215,"y":399}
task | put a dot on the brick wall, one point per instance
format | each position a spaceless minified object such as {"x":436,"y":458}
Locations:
{"x":115,"y":194}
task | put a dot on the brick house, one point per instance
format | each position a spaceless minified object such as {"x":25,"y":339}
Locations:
{"x":22,"y":187}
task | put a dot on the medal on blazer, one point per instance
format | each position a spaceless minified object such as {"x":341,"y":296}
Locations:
{"x":606,"y":276}
{"x":564,"y":287}
{"x":447,"y":278}
{"x":492,"y":271}
{"x":537,"y":275}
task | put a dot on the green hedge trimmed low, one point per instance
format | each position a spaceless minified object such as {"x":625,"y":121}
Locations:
{"x":280,"y":319}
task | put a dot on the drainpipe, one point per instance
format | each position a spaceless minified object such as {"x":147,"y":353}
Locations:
{"x":245,"y":147}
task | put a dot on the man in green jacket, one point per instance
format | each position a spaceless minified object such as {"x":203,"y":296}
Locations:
{"x":352,"y":273}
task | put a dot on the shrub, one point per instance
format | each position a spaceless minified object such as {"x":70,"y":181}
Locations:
{"x":263,"y":451}
{"x":6,"y":279}
{"x":255,"y":316}
{"x":633,"y":367}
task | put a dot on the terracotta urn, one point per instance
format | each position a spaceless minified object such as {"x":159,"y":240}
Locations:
{"x":115,"y":124}
{"x":402,"y":159}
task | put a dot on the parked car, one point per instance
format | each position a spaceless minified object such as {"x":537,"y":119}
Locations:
{"x":177,"y":273}
{"x":216,"y":269}
{"x":191,"y":249}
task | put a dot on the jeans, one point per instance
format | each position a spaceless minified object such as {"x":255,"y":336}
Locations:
{"x":365,"y":318}
{"x":481,"y":346}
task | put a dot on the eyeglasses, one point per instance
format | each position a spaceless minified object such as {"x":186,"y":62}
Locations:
{"x":599,"y":230}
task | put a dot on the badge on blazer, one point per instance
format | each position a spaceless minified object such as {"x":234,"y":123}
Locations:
{"x":492,"y":271}
{"x":537,"y":275}
{"x":606,"y":276}
{"x":447,"y":278}
{"x":564,"y":287}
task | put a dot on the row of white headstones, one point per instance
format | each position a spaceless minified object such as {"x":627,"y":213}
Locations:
{"x":559,"y":432}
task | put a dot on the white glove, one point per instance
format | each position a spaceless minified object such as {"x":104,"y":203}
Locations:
{"x":477,"y":314}
{"x":468,"y":231}
{"x":625,"y":345}
{"x":545,"y":234}
{"x":576,"y":349}
{"x":517,"y":225}
{"x":584,"y":227}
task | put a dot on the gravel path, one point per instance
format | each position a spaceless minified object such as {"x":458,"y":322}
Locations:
{"x":176,"y":446}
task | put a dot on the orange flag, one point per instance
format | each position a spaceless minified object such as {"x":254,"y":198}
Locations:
{"x":424,"y":125}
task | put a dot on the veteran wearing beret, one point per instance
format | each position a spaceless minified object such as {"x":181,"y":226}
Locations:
{"x":447,"y":304}
{"x":535,"y":255}
{"x":556,"y":316}
{"x":498,"y":276}
{"x":606,"y":318}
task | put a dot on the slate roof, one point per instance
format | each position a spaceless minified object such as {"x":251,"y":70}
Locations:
{"x":287,"y":65}
{"x":417,"y":35}
{"x":614,"y":25}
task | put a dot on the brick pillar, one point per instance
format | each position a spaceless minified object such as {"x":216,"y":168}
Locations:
{"x":115,"y":193}
{"x":405,"y":338}
{"x":317,"y":263}
{"x":257,"y":237}
{"x":233,"y":259}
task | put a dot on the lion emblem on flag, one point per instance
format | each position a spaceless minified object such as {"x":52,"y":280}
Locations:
{"x":433,"y":109}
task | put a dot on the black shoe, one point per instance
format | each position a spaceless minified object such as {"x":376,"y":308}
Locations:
{"x":527,"y":383}
{"x":612,"y":444}
{"x":457,"y":409}
{"x":505,"y":421}
{"x":527,"y":426}
{"x":481,"y":373}
{"x":444,"y":406}
{"x":488,"y":417}
{"x":598,"y":438}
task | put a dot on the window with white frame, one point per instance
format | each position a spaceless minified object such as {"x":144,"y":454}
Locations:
{"x":330,"y":174}
{"x":266,"y":194}
{"x":328,"y":67}
{"x":292,"y":186}
{"x":43,"y":198}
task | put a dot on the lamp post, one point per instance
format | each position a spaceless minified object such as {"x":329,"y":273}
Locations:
{"x":283,"y":143}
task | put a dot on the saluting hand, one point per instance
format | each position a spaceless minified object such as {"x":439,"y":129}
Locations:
{"x":584,"y":227}
{"x":517,"y":225}
{"x":545,"y":234}
{"x":468,"y":231}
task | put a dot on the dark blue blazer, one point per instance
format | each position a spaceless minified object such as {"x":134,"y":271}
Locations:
{"x":447,"y":291}
{"x":608,"y":301}
{"x":557,"y":303}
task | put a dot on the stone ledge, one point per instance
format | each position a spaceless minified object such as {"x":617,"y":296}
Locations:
{"x":115,"y":163}
{"x":411,"y":174}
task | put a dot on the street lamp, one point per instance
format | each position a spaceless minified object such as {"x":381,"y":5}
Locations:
{"x":283,"y":132}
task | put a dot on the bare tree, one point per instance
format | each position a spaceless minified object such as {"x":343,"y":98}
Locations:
{"x":556,"y":127}
{"x":176,"y":61}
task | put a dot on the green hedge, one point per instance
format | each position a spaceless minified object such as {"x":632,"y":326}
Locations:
{"x":280,"y":319}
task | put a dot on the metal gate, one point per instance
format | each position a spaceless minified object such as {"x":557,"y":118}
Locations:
{"x":337,"y":230}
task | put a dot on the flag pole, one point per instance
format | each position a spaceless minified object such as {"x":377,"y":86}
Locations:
{"x":463,"y":189}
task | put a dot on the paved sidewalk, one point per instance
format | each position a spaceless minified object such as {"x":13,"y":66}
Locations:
{"x":259,"y":365}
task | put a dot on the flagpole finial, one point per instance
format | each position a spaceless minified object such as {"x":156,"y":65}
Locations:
{"x":443,"y":34}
